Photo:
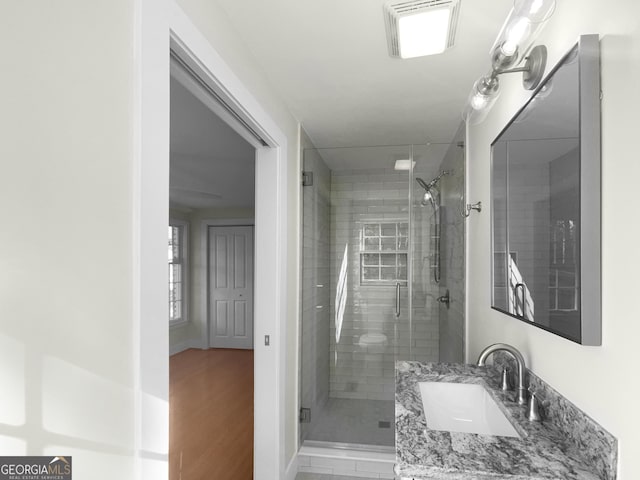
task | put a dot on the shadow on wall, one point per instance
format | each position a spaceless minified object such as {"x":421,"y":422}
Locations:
{"x":52,"y":407}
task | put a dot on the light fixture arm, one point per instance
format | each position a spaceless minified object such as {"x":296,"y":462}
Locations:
{"x":534,"y":67}
{"x":532,"y":71}
{"x":501,"y":61}
{"x":511,"y":70}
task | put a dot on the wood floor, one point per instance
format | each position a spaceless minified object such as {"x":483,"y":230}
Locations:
{"x":211,"y":415}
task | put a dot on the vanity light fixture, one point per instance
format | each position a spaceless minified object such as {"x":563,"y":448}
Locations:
{"x":417,"y":28}
{"x":512,"y":46}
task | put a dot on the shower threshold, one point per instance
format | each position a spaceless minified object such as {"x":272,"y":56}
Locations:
{"x":355,"y":447}
{"x":346,"y":459}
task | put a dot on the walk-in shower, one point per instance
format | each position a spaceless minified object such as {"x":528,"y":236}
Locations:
{"x":380,"y":246}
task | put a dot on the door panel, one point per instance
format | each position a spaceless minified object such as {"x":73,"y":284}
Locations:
{"x":221,"y":318}
{"x":239,"y":262}
{"x":240,"y":319}
{"x":230,"y":283}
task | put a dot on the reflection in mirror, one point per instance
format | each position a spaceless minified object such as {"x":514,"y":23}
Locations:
{"x":545,"y":203}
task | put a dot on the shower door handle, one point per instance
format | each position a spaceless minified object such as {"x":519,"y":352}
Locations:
{"x":398,"y":300}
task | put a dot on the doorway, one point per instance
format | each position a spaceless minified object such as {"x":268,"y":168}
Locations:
{"x":160,"y":29}
{"x":212,"y":171}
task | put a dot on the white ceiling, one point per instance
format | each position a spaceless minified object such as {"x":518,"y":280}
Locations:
{"x":382,"y":157}
{"x":328,"y":60}
{"x":211,"y":165}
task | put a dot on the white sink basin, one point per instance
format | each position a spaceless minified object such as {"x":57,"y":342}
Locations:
{"x":463,"y":407}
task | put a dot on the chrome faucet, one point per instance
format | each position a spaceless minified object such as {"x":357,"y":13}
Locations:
{"x":522,"y":390}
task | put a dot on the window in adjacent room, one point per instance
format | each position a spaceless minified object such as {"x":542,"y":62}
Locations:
{"x":178,"y":272}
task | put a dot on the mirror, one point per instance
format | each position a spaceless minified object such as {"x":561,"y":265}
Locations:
{"x":545,"y":209}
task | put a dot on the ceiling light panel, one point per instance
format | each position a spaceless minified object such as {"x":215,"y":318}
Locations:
{"x":420,"y":27}
{"x":403,"y":164}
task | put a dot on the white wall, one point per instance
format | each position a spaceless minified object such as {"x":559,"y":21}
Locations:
{"x":215,"y":26}
{"x":66,"y":284}
{"x":600,"y":380}
{"x":70,"y":360}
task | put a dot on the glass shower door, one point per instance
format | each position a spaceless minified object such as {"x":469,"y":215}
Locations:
{"x":381,"y":248}
{"x":355,"y":302}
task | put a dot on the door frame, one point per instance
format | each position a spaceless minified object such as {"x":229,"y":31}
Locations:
{"x":158,"y":26}
{"x":204,"y":246}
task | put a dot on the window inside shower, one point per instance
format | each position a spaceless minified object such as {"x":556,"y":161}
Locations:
{"x":369,"y":295}
{"x":383,"y":252}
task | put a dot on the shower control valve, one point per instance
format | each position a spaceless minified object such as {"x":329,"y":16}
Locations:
{"x":445,"y":299}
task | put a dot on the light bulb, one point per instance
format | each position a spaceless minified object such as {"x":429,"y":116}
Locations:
{"x":515,"y":34}
{"x":481,"y":98}
{"x":478,"y":101}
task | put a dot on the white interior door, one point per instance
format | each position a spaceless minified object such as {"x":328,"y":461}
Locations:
{"x":230,"y":283}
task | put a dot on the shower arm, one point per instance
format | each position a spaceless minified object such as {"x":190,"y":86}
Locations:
{"x":433,"y":182}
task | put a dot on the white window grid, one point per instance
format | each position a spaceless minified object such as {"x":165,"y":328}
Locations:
{"x":383,"y":252}
{"x":177,"y":257}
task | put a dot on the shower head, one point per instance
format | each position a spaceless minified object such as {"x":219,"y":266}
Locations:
{"x":429,"y":198}
{"x":431,"y":192}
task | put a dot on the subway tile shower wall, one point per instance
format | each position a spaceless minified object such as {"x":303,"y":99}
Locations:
{"x":360,"y":197}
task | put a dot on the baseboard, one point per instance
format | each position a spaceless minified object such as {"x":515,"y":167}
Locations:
{"x":187,"y":344}
{"x":292,"y":469}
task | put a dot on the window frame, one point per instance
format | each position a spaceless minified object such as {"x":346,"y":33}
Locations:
{"x":395,"y":252}
{"x":185,"y":260}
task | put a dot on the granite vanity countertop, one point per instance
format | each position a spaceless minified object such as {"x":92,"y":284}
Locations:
{"x":543,"y":452}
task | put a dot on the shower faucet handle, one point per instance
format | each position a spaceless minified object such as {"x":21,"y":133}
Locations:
{"x":446,"y":299}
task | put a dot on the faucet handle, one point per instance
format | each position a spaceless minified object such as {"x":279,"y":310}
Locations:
{"x":505,"y":384}
{"x":533,"y":409}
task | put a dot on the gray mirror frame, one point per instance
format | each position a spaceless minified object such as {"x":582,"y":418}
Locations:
{"x":590,"y":269}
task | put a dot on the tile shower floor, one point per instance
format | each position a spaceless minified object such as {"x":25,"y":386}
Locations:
{"x":354,"y":421}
